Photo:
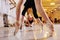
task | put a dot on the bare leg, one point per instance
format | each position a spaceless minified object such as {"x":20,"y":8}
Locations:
{"x":18,"y":8}
{"x":22,"y":20}
{"x":40,"y":9}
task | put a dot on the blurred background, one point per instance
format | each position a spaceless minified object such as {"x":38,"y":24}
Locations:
{"x":52,"y":8}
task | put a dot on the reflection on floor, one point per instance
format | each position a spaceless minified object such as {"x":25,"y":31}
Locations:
{"x":34,"y":33}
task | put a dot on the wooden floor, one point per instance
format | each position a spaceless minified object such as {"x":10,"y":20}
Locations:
{"x":30,"y":34}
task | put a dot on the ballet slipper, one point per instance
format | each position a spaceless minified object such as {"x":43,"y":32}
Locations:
{"x":51,"y":28}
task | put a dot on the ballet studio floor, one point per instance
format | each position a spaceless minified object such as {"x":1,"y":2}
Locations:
{"x":34,"y":33}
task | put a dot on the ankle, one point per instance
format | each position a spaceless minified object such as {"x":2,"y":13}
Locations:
{"x":49,"y":22}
